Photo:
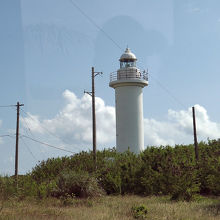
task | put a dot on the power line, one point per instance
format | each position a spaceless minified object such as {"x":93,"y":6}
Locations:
{"x":168,"y":92}
{"x":113,"y":41}
{"x":40,"y":125}
{"x":93,"y":22}
{"x":6,"y":135}
{"x":163,"y":87}
{"x":6,"y":106}
{"x":49,"y":132}
{"x":27,"y":127}
{"x":22,"y":139}
{"x":49,"y":145}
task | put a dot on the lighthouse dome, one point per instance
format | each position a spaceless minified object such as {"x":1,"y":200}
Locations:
{"x":127,"y":56}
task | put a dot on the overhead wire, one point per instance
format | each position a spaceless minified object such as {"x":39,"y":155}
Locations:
{"x":39,"y":124}
{"x":94,"y":23}
{"x":163,"y":87}
{"x":29,"y":150}
{"x":6,"y":135}
{"x":113,"y":41}
{"x":27,"y":129}
{"x":33,"y":136}
{"x":35,"y":140}
{"x":168,"y":92}
{"x":49,"y":145}
{"x":116,"y":44}
{"x":6,"y":106}
{"x":49,"y":132}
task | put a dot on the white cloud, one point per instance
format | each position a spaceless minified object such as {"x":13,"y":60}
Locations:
{"x":34,"y":121}
{"x":205,"y":127}
{"x":73,"y":124}
{"x":178,"y":128}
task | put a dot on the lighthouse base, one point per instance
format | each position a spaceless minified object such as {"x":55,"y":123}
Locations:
{"x":129,"y":119}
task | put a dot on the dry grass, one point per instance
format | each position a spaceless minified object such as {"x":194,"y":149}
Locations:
{"x":110,"y":208}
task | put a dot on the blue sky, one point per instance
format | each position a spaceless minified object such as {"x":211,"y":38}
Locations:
{"x":49,"y":46}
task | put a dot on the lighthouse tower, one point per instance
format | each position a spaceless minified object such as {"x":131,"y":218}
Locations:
{"x":128,"y":83}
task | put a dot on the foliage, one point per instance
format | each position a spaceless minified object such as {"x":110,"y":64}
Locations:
{"x":79,"y":184}
{"x":7,"y":187}
{"x":139,"y":212}
{"x":117,"y":175}
{"x":161,"y":170}
{"x":25,"y":186}
{"x":110,"y":207}
{"x":209,"y":167}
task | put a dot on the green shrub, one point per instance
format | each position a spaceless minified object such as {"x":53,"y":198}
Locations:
{"x":184,"y":191}
{"x":117,"y":175}
{"x":67,"y":200}
{"x":7,"y":187}
{"x":49,"y":169}
{"x":156,"y":171}
{"x":79,"y":184}
{"x":209,"y":167}
{"x":45,"y":189}
{"x":139,"y":212}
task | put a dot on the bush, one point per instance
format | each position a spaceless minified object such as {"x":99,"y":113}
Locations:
{"x":139,"y":212}
{"x":7,"y":187}
{"x":117,"y":175}
{"x":185,"y":190}
{"x":156,"y":171}
{"x":79,"y":184}
{"x":209,"y":167}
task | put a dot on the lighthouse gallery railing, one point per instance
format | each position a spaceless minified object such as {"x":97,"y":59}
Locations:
{"x":128,"y":74}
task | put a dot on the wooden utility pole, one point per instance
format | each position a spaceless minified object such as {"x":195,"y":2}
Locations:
{"x":94,"y":74}
{"x":195,"y":134}
{"x":93,"y":117}
{"x":17,"y":139}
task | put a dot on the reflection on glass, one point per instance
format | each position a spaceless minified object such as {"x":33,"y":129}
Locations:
{"x":125,"y":64}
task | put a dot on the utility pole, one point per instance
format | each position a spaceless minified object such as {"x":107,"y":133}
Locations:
{"x":93,"y":117}
{"x":195,"y":134}
{"x":94,"y":74}
{"x":17,"y":139}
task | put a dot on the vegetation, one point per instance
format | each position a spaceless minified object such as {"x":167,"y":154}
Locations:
{"x":164,"y":171}
{"x":77,"y":184}
{"x":156,"y":171}
{"x":110,"y":208}
{"x":139,"y":211}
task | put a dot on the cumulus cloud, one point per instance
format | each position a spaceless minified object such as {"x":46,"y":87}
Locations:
{"x":205,"y":127}
{"x":73,"y":124}
{"x":178,"y":128}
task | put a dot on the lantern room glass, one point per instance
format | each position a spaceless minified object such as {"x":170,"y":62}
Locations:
{"x":127,"y":63}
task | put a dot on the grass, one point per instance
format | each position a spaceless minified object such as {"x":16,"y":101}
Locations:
{"x":110,"y":208}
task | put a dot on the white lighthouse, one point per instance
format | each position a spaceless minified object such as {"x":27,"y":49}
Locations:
{"x":128,"y":83}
